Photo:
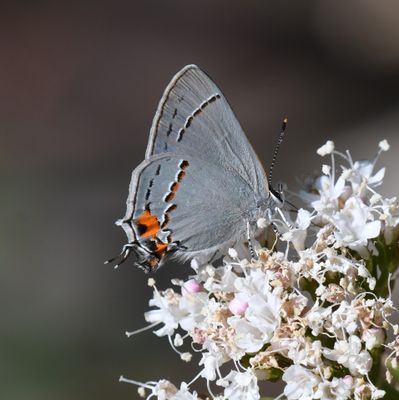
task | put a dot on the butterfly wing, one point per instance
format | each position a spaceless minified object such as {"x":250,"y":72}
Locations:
{"x":194,"y":118}
{"x":201,"y":179}
{"x":184,"y":206}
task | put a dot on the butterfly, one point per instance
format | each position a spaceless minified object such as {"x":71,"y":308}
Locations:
{"x":201,"y":185}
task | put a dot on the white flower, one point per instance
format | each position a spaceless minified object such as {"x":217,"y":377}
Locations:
{"x":362,"y":173}
{"x":184,"y":394}
{"x":243,"y":385}
{"x":297,"y":235}
{"x":350,"y":355}
{"x":337,"y":389}
{"x":307,"y":353}
{"x":384,"y":145}
{"x":258,"y":324}
{"x":167,"y":312}
{"x":390,"y":218}
{"x":377,"y":394}
{"x":194,"y":307}
{"x":327,"y":148}
{"x":316,"y":318}
{"x":354,"y":227}
{"x":222,"y":279}
{"x":373,"y":337}
{"x":301,"y":383}
{"x":329,"y":192}
{"x":345,"y":317}
{"x":256,"y":282}
{"x":211,"y":362}
{"x":163,"y":389}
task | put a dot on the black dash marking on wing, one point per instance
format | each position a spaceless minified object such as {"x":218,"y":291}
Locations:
{"x":169,"y":131}
{"x":166,"y":217}
{"x":195,"y":113}
{"x":147,"y":195}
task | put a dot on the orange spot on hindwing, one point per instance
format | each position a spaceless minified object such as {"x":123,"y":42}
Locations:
{"x":160,"y":247}
{"x":148,"y":226}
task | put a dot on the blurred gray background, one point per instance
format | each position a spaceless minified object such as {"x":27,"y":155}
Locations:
{"x":79,"y":85}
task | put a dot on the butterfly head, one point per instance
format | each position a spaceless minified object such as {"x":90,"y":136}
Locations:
{"x":277,"y":195}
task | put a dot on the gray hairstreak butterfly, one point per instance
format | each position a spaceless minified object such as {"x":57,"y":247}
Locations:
{"x":201,"y":185}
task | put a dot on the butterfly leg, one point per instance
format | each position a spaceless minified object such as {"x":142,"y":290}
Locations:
{"x":275,"y":229}
{"x":122,"y":257}
{"x":250,"y":245}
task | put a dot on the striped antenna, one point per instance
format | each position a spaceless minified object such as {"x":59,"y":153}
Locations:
{"x":276,"y":149}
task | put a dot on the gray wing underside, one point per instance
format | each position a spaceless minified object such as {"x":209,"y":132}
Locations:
{"x":194,"y":118}
{"x":210,"y":209}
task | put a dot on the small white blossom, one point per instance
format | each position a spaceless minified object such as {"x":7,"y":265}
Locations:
{"x":378,"y":394}
{"x":301,"y":383}
{"x":350,"y":355}
{"x":258,"y":324}
{"x":337,"y":389}
{"x":193,"y":307}
{"x":344,"y":318}
{"x":355,"y":226}
{"x":186,"y":357}
{"x":362,"y":173}
{"x":211,"y":362}
{"x":316,"y":317}
{"x":327,"y":203}
{"x":384,"y":145}
{"x":243,"y":385}
{"x":327,"y":148}
{"x":373,"y":337}
{"x":167,"y":312}
{"x":297,"y":235}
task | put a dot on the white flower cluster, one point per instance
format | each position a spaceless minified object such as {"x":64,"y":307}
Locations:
{"x":316,"y":316}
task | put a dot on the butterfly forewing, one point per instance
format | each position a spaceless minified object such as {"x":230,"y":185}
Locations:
{"x":195,"y":119}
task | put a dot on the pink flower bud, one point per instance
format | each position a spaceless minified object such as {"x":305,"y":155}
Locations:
{"x":237,"y":306}
{"x":348,"y":380}
{"x":191,"y":286}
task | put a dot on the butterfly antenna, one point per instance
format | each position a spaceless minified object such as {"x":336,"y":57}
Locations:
{"x":276,"y":149}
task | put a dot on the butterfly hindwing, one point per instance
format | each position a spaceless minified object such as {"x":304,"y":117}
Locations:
{"x":183,"y":204}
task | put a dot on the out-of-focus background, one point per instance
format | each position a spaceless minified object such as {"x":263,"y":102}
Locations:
{"x":79,"y":84}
